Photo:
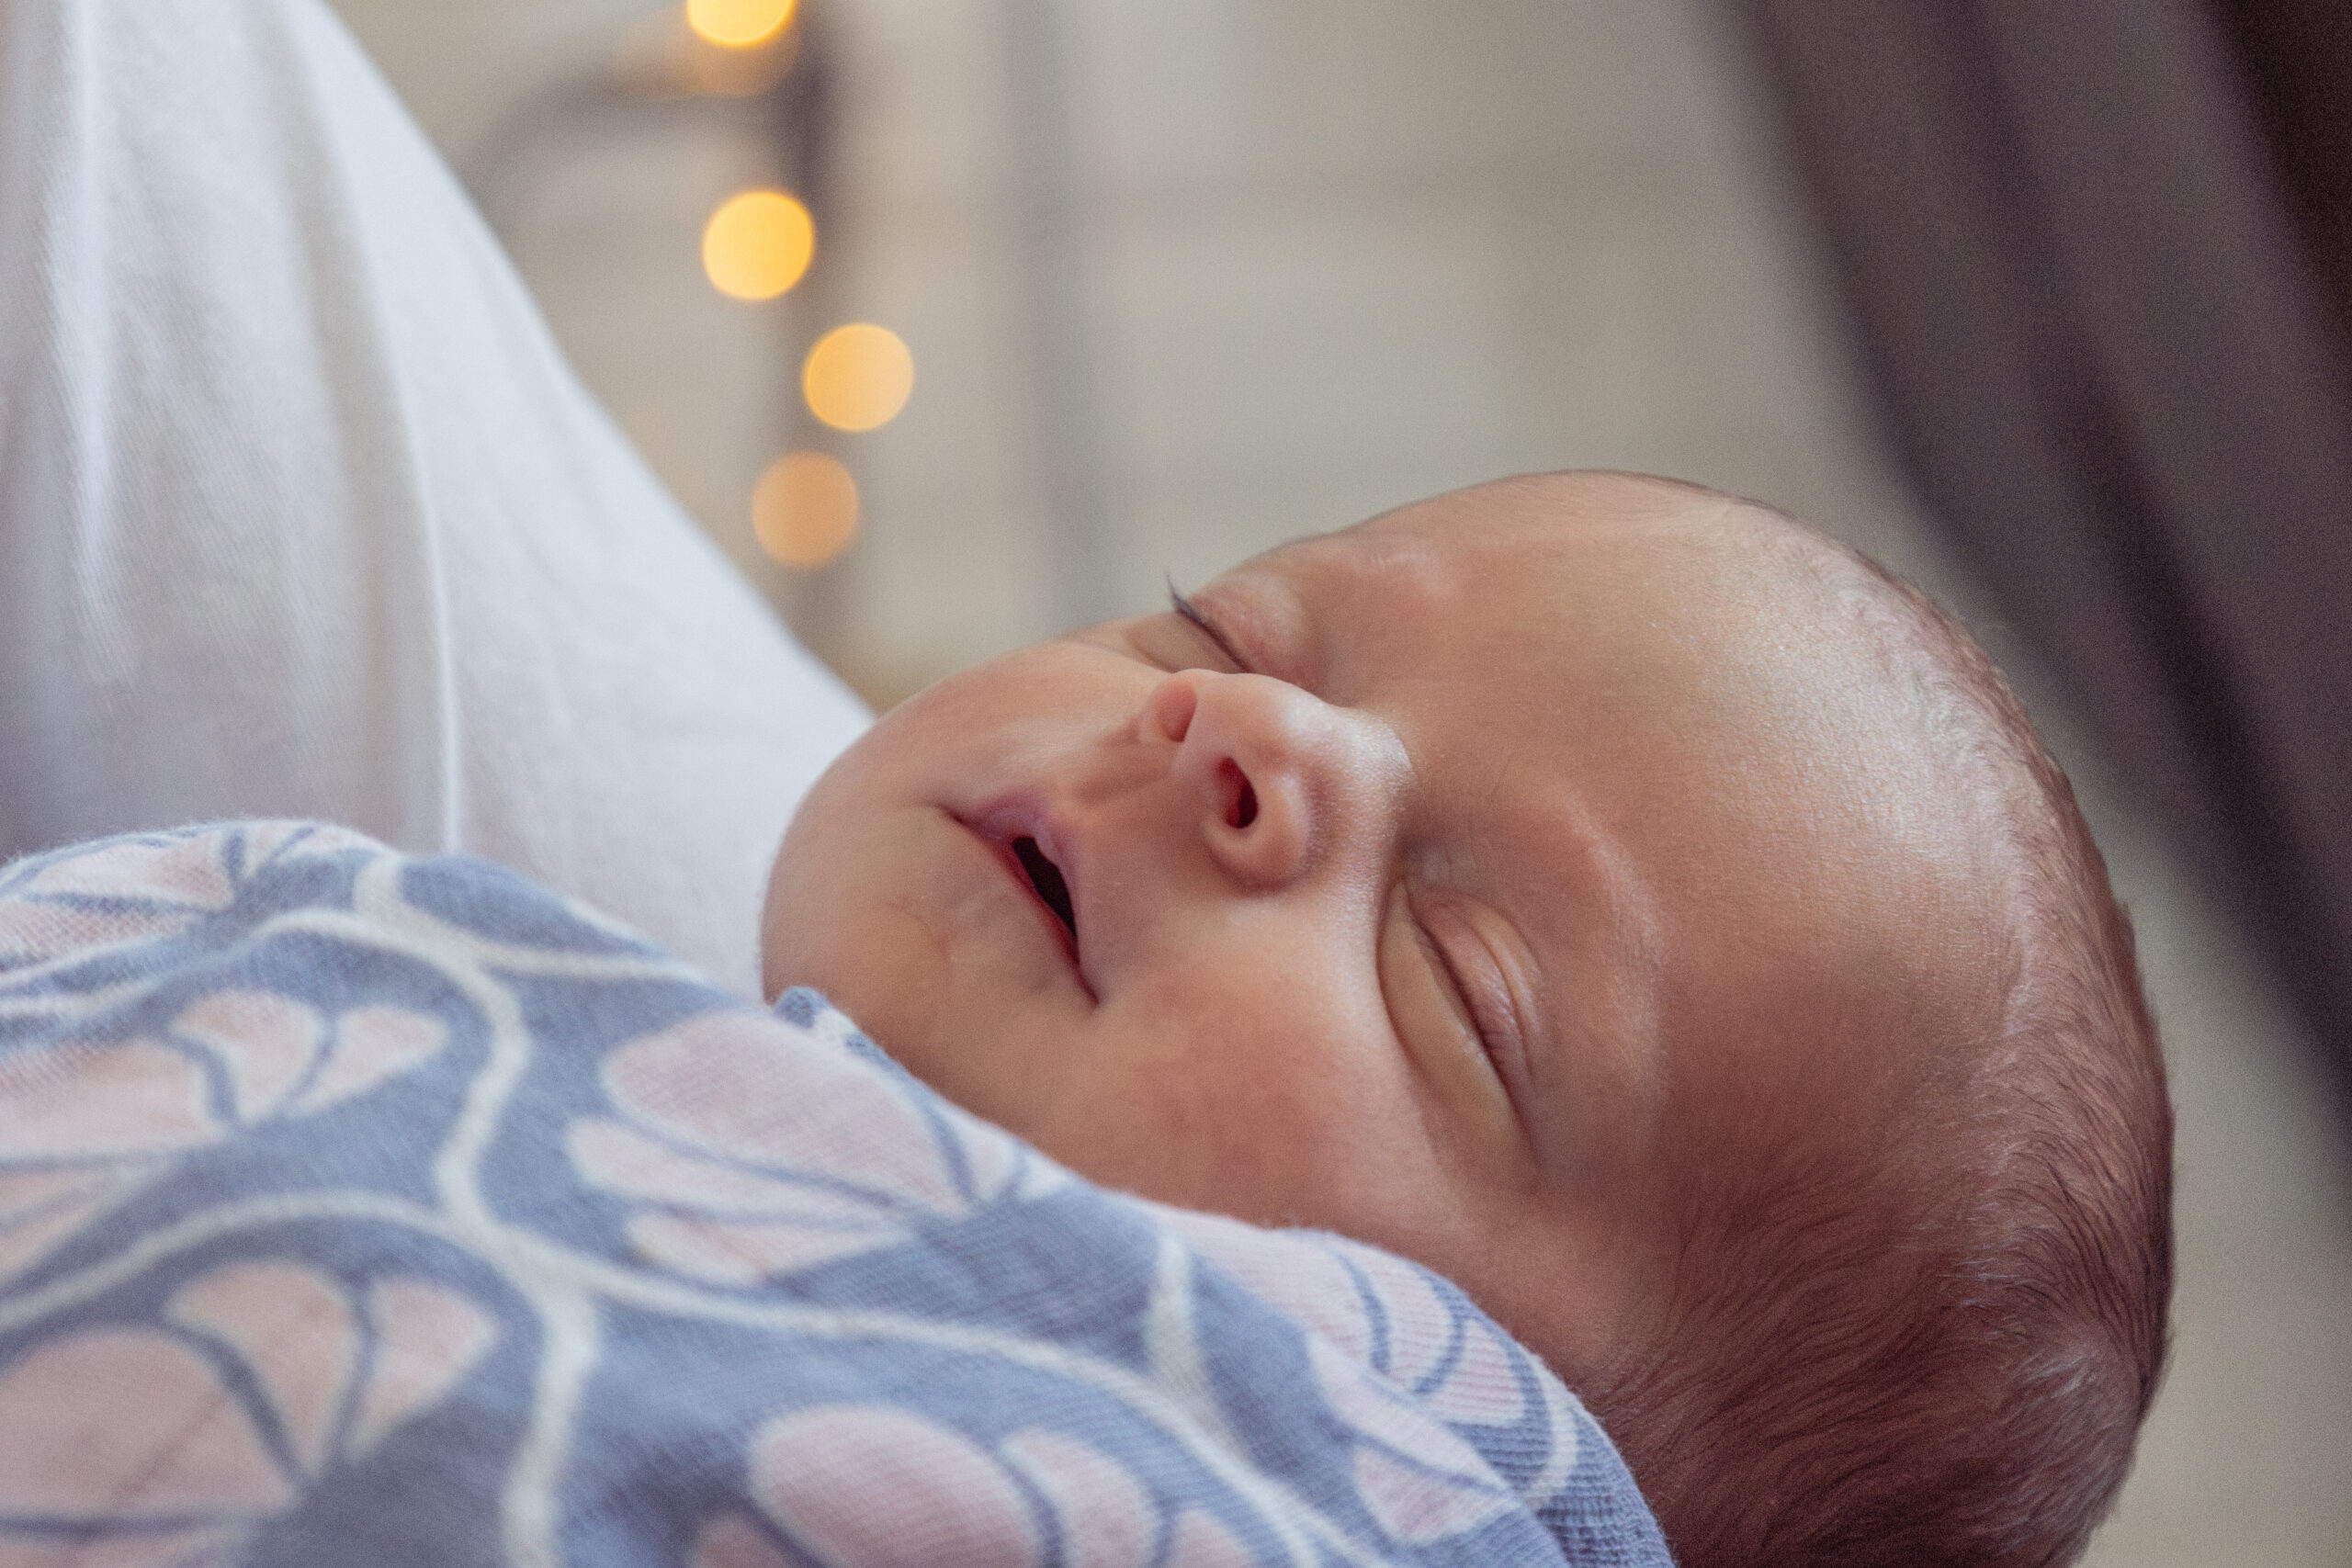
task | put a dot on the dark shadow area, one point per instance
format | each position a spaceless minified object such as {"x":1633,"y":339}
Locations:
{"x":2097,"y":258}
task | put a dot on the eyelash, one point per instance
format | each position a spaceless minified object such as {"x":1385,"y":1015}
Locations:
{"x":1191,"y":612}
{"x":1488,"y":1040}
{"x":1443,"y":959}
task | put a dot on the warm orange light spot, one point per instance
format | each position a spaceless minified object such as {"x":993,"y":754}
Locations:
{"x":858,"y":377}
{"x":739,"y":24}
{"x":662,"y":57}
{"x":805,"y":509}
{"x":757,"y":244}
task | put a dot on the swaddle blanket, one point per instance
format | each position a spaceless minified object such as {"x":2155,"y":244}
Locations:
{"x":363,"y":1209}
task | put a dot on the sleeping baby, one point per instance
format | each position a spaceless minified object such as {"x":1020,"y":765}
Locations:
{"x":1616,"y":897}
{"x":1601,"y":890}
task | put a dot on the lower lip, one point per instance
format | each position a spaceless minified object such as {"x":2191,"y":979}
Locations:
{"x":1001,"y":850}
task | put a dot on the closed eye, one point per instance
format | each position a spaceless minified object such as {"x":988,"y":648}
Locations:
{"x":1475,"y":991}
{"x":1431,"y":1015}
{"x":1191,"y":612}
{"x":1466,"y":1003}
{"x":1449,"y":980}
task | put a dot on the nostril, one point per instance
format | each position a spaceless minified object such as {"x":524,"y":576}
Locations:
{"x":1242,"y":804}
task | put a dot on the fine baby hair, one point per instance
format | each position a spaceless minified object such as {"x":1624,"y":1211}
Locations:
{"x":1936,"y":1346}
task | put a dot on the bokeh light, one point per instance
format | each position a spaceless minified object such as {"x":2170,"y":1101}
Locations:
{"x":757,"y":244}
{"x":858,"y":377}
{"x":805,"y":509}
{"x":662,"y":57}
{"x":739,"y":24}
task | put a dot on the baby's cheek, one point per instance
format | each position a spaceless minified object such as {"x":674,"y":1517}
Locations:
{"x":1141,"y":1106}
{"x":873,"y":962}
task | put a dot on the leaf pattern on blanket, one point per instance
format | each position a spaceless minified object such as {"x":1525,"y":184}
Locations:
{"x":174,"y":1439}
{"x":640,"y":1276}
{"x":731,"y":1192}
{"x":1378,"y":1309}
{"x":1042,"y":1497}
{"x":731,"y":1541}
{"x":143,"y":891}
{"x":816,"y":1471}
{"x":85,"y":1123}
{"x":143,"y":887}
{"x":1106,"y":1517}
{"x":1418,"y":1479}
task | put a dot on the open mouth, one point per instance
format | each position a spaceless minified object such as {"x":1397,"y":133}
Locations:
{"x":1046,"y":878}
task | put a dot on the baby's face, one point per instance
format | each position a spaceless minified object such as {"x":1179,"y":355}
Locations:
{"x":1383,"y":896}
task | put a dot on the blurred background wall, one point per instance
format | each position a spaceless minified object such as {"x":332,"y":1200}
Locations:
{"x":1178,"y":282}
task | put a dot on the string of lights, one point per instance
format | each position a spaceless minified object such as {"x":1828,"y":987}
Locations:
{"x":758,"y":245}
{"x":856,"y":377}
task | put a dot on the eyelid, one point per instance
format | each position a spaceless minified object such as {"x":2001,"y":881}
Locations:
{"x":1501,"y":1042}
{"x":1191,"y":612}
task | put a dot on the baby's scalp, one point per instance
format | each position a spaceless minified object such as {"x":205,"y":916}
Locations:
{"x":1687,"y":923}
{"x":1932,"y":1338}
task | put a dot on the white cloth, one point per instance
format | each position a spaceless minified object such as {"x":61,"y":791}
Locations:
{"x":302,"y":513}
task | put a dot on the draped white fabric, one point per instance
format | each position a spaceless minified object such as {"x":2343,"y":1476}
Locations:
{"x":301,"y":511}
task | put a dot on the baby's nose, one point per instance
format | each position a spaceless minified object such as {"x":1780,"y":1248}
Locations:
{"x":1269,"y":770}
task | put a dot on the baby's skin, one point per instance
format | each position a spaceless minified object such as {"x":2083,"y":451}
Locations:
{"x":1463,"y":881}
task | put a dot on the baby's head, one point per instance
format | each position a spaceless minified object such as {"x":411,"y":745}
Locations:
{"x":1614,"y":896}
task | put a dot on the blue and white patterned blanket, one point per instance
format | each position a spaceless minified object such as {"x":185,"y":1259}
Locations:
{"x":363,"y":1209}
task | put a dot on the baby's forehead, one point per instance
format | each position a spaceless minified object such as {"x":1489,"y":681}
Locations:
{"x":1702,"y":631}
{"x":1568,"y":569}
{"x":1527,"y":529}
